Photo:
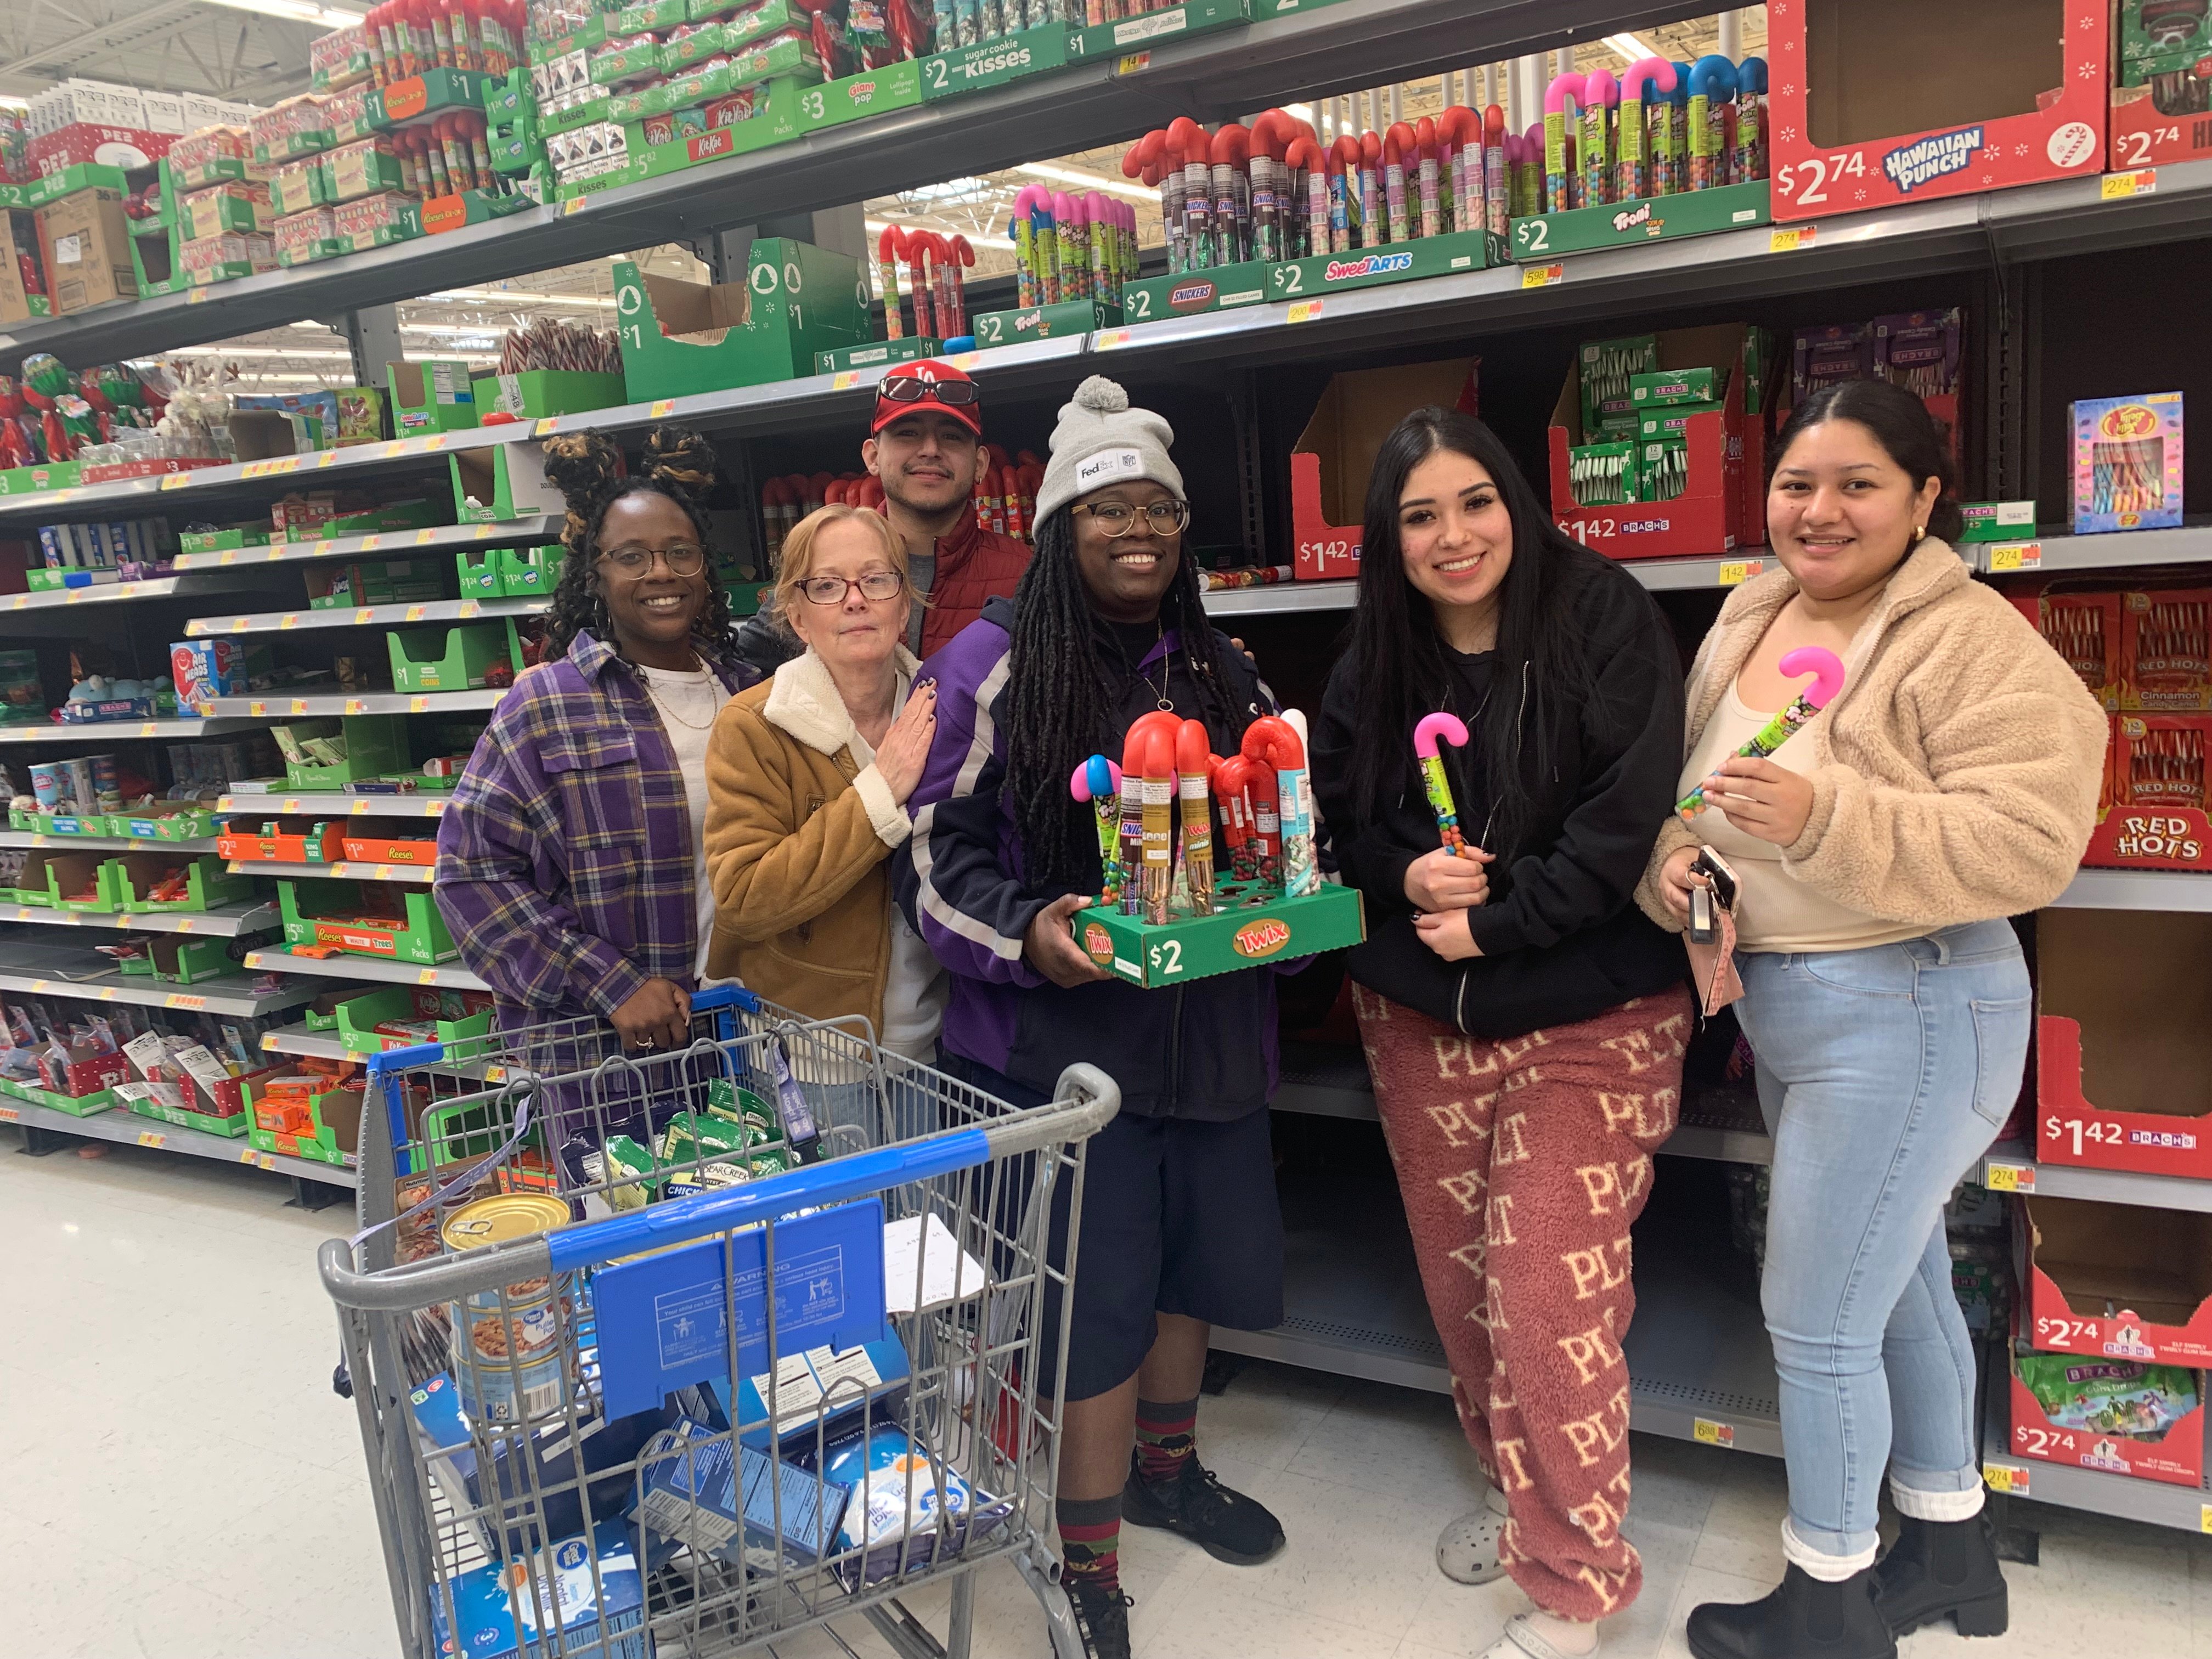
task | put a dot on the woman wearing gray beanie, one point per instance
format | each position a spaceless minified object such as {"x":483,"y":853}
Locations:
{"x":1180,"y":1231}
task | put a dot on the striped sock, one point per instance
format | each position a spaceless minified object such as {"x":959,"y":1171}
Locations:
{"x":1165,"y":1439}
{"x":1091,"y":1539}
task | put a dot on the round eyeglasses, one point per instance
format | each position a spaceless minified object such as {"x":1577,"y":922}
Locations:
{"x":1117,"y":519}
{"x":684,"y":559}
{"x":832,"y":590}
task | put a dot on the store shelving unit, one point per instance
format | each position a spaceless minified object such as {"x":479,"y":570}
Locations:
{"x":341,"y":868}
{"x":365,"y":703}
{"x":451,"y":975}
{"x":365,"y":615}
{"x":353,"y":804}
{"x":224,"y":921}
{"x":119,"y":731}
{"x":117,"y":1125}
{"x":216,"y":996}
{"x":104,"y":843}
{"x":299,"y":1040}
{"x":376,"y":458}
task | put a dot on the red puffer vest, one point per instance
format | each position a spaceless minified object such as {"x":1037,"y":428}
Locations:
{"x":973,"y":565}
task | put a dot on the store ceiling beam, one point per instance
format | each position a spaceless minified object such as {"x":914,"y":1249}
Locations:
{"x":1356,"y":43}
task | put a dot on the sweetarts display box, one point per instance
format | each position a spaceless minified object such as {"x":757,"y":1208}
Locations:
{"x":1256,"y":925}
{"x":2124,"y":1041}
{"x":1870,"y":107}
{"x":2078,"y":1261}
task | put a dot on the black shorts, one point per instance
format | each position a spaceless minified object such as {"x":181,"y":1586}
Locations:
{"x":1179,"y":1216}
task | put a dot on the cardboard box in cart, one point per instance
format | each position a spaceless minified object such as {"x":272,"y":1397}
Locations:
{"x":2124,"y":1039}
{"x":1871,"y":106}
{"x":1708,"y":516}
{"x":2095,"y":1280}
{"x":1330,"y":462}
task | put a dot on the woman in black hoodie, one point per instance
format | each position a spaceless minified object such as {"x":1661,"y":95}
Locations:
{"x":1523,"y":1021}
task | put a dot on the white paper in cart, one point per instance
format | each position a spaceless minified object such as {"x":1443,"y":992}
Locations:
{"x":948,"y":1273}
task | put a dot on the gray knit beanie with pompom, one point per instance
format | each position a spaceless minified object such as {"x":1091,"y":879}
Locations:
{"x":1100,"y":441}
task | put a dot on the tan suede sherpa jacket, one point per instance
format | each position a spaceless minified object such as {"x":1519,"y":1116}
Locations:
{"x":1956,"y":774}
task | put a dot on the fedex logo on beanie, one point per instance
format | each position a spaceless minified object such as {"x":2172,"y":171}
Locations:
{"x":1107,"y":466}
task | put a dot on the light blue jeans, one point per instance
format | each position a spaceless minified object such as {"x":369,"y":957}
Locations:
{"x":1883,"y":1075}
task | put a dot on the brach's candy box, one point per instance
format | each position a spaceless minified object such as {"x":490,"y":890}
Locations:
{"x":1330,"y":462}
{"x":2095,"y":1280}
{"x":2118,"y":1416}
{"x":1871,"y":107}
{"x":2154,"y":794}
{"x":2124,"y":1040}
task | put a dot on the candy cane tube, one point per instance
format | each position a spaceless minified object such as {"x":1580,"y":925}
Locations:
{"x":1674,"y":132}
{"x":1308,"y":168}
{"x":1593,"y":156}
{"x":1827,"y":672}
{"x":1273,"y":134}
{"x":1713,"y":87}
{"x":1496,"y":208}
{"x":1275,"y":743}
{"x":1191,"y":143}
{"x":1397,"y":143}
{"x":1632,"y":170}
{"x":1564,"y":89}
{"x":918,"y":255}
{"x":1157,"y":847}
{"x":1130,"y":840}
{"x":1098,"y":783}
{"x":1452,"y":730}
{"x":1750,"y":121}
{"x":1194,"y":800}
{"x":1459,"y":156}
{"x":1028,"y":259}
{"x":941,"y":265}
{"x":1343,"y":199}
{"x":1231,"y":781}
{"x":959,"y":259}
{"x":1374,"y":228}
{"x":1071,"y":248}
{"x":1230,"y":152}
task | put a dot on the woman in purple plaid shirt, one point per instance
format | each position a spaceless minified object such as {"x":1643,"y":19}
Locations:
{"x":571,"y":863}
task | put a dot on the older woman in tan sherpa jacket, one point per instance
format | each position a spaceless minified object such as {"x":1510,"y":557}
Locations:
{"x":1873,"y":860}
{"x":808,"y":776}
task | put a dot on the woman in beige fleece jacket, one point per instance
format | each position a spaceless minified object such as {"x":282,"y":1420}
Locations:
{"x":1877,"y":853}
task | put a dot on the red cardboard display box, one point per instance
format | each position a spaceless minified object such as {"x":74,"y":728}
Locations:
{"x":2143,"y":135}
{"x":2124,"y":1039}
{"x":83,"y":143}
{"x":2178,"y":1459}
{"x":1330,"y":462}
{"x":2156,"y":781}
{"x":1857,"y":82}
{"x":2078,"y":1259}
{"x":1708,"y":516}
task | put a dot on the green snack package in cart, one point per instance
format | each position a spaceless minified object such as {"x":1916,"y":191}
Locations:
{"x":726,"y":1099}
{"x":2117,"y":1397}
{"x":624,"y":1157}
{"x":692,"y":1136}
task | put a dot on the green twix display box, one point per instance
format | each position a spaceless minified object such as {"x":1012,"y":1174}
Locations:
{"x":1256,"y":925}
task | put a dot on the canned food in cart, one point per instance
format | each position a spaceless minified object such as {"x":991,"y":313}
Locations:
{"x":509,"y":1356}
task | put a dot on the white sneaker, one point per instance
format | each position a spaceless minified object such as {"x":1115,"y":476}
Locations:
{"x":1521,"y":1641}
{"x":1466,"y":1550}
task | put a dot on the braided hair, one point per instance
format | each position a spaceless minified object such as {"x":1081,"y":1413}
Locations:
{"x":1058,"y":703}
{"x":588,"y":468}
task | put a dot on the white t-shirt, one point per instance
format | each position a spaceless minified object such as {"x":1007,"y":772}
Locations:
{"x":687,"y":703}
{"x":917,"y":989}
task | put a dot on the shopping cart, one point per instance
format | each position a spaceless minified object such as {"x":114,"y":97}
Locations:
{"x":631,"y":1386}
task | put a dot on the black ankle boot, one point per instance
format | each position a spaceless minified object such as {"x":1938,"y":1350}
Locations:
{"x":1804,"y":1618}
{"x":1943,"y":1568}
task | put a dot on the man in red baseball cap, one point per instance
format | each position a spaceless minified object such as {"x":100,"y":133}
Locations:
{"x":924,"y":447}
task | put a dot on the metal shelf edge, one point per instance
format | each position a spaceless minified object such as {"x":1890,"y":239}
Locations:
{"x":120,"y":1124}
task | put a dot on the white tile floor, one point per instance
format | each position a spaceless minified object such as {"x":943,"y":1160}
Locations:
{"x":176,"y":1479}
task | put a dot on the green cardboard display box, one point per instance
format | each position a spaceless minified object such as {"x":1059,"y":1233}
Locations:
{"x":759,"y":22}
{"x":1243,"y":935}
{"x":316,"y":912}
{"x":775,"y":120}
{"x":375,"y":745}
{"x":530,"y":572}
{"x":1135,"y":34}
{"x":590,"y":111}
{"x":209,"y":883}
{"x":206,"y":1122}
{"x":464,"y":658}
{"x":1322,"y":274}
{"x":994,"y":62}
{"x":679,"y":338}
{"x":649,"y":16}
{"x":431,"y":396}
{"x":421,"y":96}
{"x":592,"y":34}
{"x":502,"y":482}
{"x":874,"y":92}
{"x":1224,"y":288}
{"x":29,"y":480}
{"x":880,"y":354}
{"x":771,"y":61}
{"x":1004,"y":328}
{"x":539,"y":392}
{"x":357,"y":1018}
{"x":1540,"y":237}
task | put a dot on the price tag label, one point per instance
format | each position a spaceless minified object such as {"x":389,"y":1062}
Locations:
{"x":180,"y":1001}
{"x":265,"y":1160}
{"x":469,"y":608}
{"x":436,"y":441}
{"x":845,"y":380}
{"x":298,"y":707}
{"x":485,"y":532}
{"x":361,"y":806}
{"x":397,"y":447}
{"x":1110,"y":339}
{"x":2119,"y":186}
{"x":320,"y":548}
{"x":230,"y":556}
{"x":383,"y":872}
{"x":2016,"y":555}
{"x":424,"y":537}
{"x":2008,"y":1177}
{"x":149,"y":1138}
{"x":1734,"y":572}
{"x":176,"y":480}
{"x":1707,"y":1433}
{"x":414,"y":612}
{"x":418,"y":705}
{"x":1134,"y":63}
{"x":965,"y":359}
{"x":437,"y":809}
{"x":257,"y":709}
{"x":426,"y":976}
{"x":661,"y":406}
{"x":244,"y":625}
{"x":354,"y":705}
{"x":1788,"y":239}
{"x":186,"y":924}
{"x":1542,"y":276}
{"x":2007,"y":1477}
{"x":108,"y":993}
{"x":75,"y":595}
{"x":246,"y":1155}
{"x":268,"y":1042}
{"x":291,"y":803}
{"x":546,"y":425}
{"x":196,"y":297}
{"x":370,"y":543}
{"x":574,"y":204}
{"x":1304,"y":311}
{"x":9,"y":1115}
{"x":328,"y":458}
{"x":19,"y":601}
{"x":276,"y":552}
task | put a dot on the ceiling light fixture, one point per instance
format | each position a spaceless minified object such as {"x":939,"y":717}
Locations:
{"x":1090,"y":181}
{"x":1630,"y":48}
{"x":296,"y":11}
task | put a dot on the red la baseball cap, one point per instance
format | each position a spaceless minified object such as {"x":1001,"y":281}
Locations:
{"x":909,"y":387}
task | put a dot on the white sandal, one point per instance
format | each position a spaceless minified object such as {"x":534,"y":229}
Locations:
{"x":1521,"y":1641}
{"x":1466,"y":1550}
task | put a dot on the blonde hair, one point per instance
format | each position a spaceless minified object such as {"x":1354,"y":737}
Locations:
{"x":797,"y":561}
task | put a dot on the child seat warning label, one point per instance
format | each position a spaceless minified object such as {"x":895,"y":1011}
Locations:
{"x":688,"y":1320}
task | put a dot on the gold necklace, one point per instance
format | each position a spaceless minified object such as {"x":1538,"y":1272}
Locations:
{"x":667,"y":710}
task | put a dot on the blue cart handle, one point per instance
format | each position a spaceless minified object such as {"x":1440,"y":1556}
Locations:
{"x":1084,"y":1102}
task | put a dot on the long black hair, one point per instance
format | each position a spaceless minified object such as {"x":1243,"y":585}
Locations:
{"x":1903,"y":427}
{"x":587,"y":469}
{"x":1059,"y":705}
{"x":1396,"y":657}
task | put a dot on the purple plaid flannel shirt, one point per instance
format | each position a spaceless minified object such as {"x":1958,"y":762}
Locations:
{"x":565,"y":864}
